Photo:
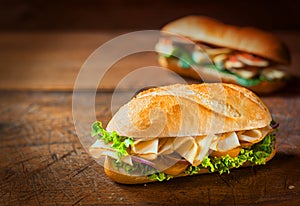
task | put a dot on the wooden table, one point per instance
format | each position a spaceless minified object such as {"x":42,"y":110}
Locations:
{"x":43,"y":162}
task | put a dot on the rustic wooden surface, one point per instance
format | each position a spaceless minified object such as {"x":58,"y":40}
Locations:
{"x":51,"y":61}
{"x":42,"y":161}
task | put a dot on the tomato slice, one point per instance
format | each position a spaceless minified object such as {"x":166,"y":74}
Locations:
{"x":252,"y":60}
{"x":166,"y":41}
{"x":233,"y":58}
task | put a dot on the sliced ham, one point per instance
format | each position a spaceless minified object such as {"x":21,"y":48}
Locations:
{"x":254,"y":135}
{"x":186,"y":147}
{"x":99,"y":149}
{"x":203,"y":143}
{"x":228,"y":141}
{"x":147,"y":149}
{"x":192,"y":149}
{"x":165,"y":146}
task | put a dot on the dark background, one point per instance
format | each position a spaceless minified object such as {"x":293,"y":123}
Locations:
{"x":22,"y":15}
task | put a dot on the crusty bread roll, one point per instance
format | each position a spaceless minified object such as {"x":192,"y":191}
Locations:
{"x":210,"y":75}
{"x":197,"y":109}
{"x":209,"y":32}
{"x":169,"y":118}
{"x":248,"y":39}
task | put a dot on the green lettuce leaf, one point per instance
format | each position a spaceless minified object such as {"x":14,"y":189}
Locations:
{"x":136,"y":168}
{"x":141,"y":169}
{"x":242,"y":81}
{"x":160,"y":176}
{"x":185,"y":61}
{"x":119,"y":143}
{"x":256,"y":155}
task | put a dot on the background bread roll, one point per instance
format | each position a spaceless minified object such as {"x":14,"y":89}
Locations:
{"x":248,"y":39}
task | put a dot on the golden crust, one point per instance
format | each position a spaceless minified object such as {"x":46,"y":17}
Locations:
{"x":248,"y":39}
{"x":122,"y":177}
{"x":190,"y":110}
{"x":209,"y":75}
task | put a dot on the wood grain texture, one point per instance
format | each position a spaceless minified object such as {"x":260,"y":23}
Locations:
{"x":52,"y":61}
{"x":43,"y":163}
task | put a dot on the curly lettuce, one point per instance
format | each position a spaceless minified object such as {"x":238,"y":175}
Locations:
{"x":120,"y":144}
{"x":160,"y":176}
{"x":256,"y":155}
{"x":135,"y":169}
{"x":186,"y":61}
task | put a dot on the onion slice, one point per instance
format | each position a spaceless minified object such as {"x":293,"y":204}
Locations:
{"x":274,"y":126}
{"x":143,"y":161}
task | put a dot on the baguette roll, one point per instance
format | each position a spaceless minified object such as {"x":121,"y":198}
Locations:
{"x":209,"y":50}
{"x":179,"y":130}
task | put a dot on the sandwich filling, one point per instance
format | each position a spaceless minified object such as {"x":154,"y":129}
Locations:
{"x":248,"y":69}
{"x":163,"y":158}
